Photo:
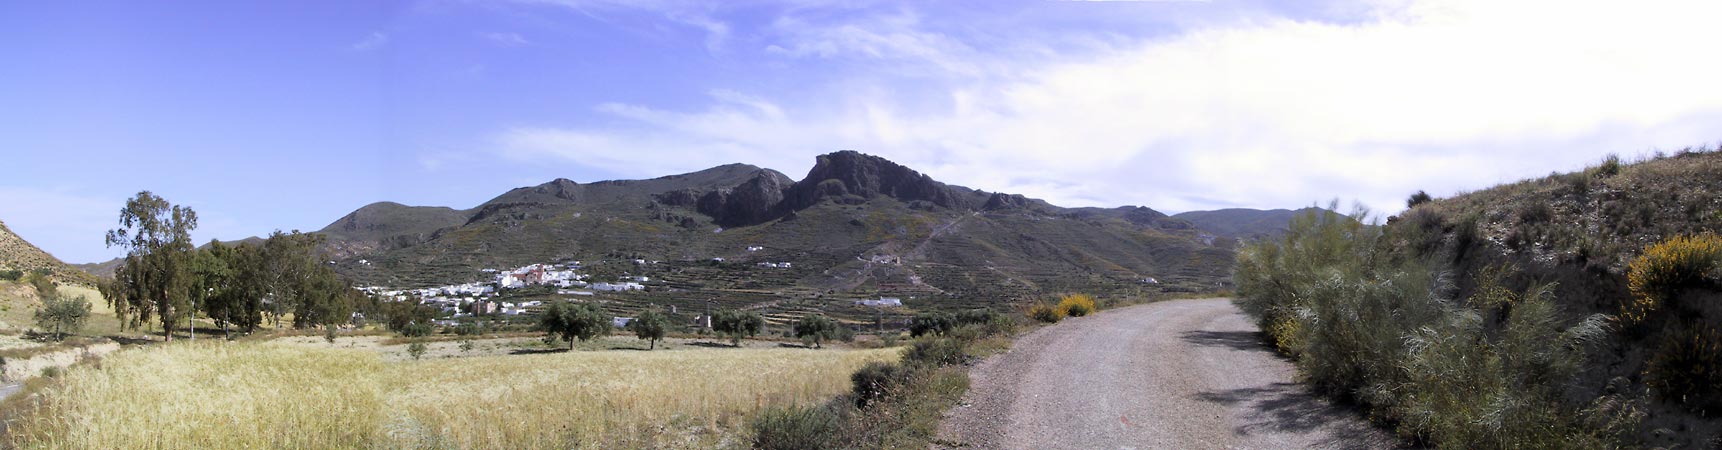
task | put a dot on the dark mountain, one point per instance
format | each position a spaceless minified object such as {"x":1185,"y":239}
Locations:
{"x":388,"y":225}
{"x":855,"y":223}
{"x":1241,"y":223}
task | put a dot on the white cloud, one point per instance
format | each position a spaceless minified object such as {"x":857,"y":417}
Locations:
{"x":505,"y":39}
{"x":374,"y":41}
{"x":1436,"y":95}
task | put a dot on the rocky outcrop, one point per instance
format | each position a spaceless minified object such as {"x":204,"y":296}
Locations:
{"x":1005,"y":201}
{"x":756,"y":200}
{"x":686,"y":198}
{"x":849,"y":173}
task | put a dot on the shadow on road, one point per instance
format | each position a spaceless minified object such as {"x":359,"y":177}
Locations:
{"x":534,"y":351}
{"x":1283,"y":407}
{"x":1236,"y":340}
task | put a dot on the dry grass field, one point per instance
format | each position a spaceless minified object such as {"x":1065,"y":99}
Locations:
{"x":275,"y":395}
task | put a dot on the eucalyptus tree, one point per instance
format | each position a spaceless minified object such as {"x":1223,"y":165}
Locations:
{"x":155,"y":277}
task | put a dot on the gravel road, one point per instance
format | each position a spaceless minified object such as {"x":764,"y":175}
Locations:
{"x":1174,"y":374}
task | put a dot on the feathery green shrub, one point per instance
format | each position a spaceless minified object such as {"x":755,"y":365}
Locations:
{"x":1373,"y":314}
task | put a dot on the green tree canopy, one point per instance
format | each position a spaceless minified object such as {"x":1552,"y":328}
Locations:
{"x":737,"y":325}
{"x":651,"y":326}
{"x":154,"y":278}
{"x":816,"y":328}
{"x":62,"y":316}
{"x":571,"y":322}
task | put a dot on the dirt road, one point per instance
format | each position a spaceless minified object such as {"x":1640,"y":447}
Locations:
{"x":1174,"y":374}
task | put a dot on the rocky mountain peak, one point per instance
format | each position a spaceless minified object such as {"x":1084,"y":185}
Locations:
{"x":852,"y":173}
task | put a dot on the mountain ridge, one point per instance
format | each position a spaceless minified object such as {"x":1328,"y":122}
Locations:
{"x":855,"y":223}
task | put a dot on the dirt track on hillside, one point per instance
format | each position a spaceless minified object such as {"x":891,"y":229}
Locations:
{"x":1174,"y":374}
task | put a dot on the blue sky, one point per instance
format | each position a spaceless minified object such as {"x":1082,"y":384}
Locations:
{"x":288,"y":115}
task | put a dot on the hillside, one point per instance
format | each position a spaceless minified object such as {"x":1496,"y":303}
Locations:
{"x":1241,"y":223}
{"x":1583,"y":306}
{"x":18,"y":254}
{"x":856,"y":223}
{"x":386,"y":225}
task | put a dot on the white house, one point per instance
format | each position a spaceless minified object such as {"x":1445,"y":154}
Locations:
{"x":881,"y":302}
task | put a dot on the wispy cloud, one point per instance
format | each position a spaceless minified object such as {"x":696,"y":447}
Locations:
{"x":696,"y":15}
{"x":505,"y":39}
{"x":375,"y":40}
{"x":1437,"y":95}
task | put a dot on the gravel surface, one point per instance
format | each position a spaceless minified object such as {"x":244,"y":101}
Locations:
{"x":1173,"y":374}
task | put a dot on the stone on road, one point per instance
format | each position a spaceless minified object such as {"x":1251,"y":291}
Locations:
{"x":1173,"y":374}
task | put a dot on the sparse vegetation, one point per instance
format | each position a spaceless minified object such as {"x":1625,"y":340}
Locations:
{"x":894,"y":404}
{"x":416,"y":349}
{"x":1045,"y":312}
{"x":797,"y":427}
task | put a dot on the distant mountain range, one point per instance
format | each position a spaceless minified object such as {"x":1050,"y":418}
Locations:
{"x":855,"y":221}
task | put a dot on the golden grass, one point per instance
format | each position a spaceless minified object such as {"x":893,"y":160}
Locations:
{"x":272,"y":395}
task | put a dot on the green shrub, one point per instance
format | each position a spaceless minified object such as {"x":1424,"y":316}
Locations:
{"x":416,"y":349}
{"x":975,"y":316}
{"x":875,"y":381}
{"x":1379,"y":324}
{"x":1687,"y":369}
{"x":931,"y":323}
{"x":11,"y":275}
{"x":62,"y":316}
{"x":416,"y":329}
{"x":936,"y":351}
{"x":1610,"y":166}
{"x":1535,"y":213}
{"x":1045,"y":312}
{"x":1417,"y":199}
{"x":797,"y":428}
{"x":815,"y":329}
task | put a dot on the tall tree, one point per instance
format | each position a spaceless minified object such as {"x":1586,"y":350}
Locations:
{"x":652,"y":325}
{"x":572,"y":322}
{"x":154,"y":278}
{"x":816,"y":328}
{"x":738,"y":325}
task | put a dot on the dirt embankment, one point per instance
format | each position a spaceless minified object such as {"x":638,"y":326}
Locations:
{"x":18,"y":369}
